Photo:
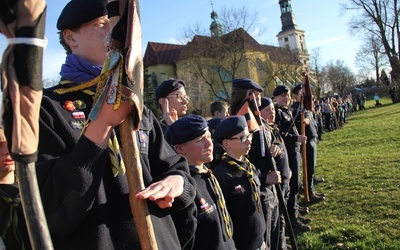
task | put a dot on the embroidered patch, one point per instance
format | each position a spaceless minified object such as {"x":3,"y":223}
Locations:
{"x":69,"y":106}
{"x":79,"y":104}
{"x":77,"y":124}
{"x":239,"y":189}
{"x":78,"y":115}
{"x":143,"y":138}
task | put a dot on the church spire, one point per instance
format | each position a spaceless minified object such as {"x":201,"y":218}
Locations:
{"x":291,"y":37}
{"x":215,"y":27}
{"x":288,"y":18}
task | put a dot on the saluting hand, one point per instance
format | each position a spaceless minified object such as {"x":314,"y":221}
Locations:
{"x":163,"y":192}
{"x":170,"y":116}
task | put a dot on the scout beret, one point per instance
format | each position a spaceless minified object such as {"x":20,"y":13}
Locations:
{"x":213,"y":122}
{"x":185,"y":129}
{"x":168,"y":86}
{"x":245,"y":83}
{"x":229,"y":127}
{"x":265,"y":102}
{"x":296,"y":88}
{"x":280,"y":90}
{"x":78,"y":12}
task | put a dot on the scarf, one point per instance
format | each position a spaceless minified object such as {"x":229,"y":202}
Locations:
{"x":248,"y":170}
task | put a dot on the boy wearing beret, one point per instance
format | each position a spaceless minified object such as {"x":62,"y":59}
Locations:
{"x":242,"y":88}
{"x":173,"y":101}
{"x":191,"y":138}
{"x":285,"y":122}
{"x":311,"y":131}
{"x":85,"y":195}
{"x":240,"y":184}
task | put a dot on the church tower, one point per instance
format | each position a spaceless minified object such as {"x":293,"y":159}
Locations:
{"x":291,"y":36}
{"x":215,"y":27}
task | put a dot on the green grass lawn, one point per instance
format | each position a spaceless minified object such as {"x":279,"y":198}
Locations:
{"x":360,"y":164}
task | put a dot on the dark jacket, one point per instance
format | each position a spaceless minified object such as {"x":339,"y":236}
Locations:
{"x":13,"y":229}
{"x":282,"y":160}
{"x":248,"y":223}
{"x":311,"y":130}
{"x":284,"y":120}
{"x":210,"y":233}
{"x":85,"y":205}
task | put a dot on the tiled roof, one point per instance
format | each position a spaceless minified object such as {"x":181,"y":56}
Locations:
{"x":161,"y":53}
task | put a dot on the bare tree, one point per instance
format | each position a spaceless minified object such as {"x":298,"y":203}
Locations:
{"x":381,"y":19}
{"x":339,"y":76}
{"x":216,"y":61}
{"x":371,"y":56}
{"x":235,"y":18}
{"x":316,"y":67}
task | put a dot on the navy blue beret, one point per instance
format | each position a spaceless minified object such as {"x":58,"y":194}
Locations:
{"x":213,"y":122}
{"x":78,"y":12}
{"x":265,"y":101}
{"x":296,"y":88}
{"x":229,"y":127}
{"x":245,"y":83}
{"x":168,"y":86}
{"x":185,"y":129}
{"x":280,"y":89}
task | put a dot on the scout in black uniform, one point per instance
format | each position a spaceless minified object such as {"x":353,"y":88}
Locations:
{"x":218,"y":151}
{"x":240,"y":184}
{"x":311,"y":145}
{"x":267,"y":112}
{"x":284,"y":121}
{"x":173,"y":101}
{"x":13,"y":231}
{"x":242,"y":87}
{"x":85,"y":196}
{"x":190,"y":137}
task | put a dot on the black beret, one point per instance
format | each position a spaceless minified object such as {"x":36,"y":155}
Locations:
{"x":185,"y":129}
{"x":213,"y":122}
{"x":168,"y":86}
{"x":279,"y":90}
{"x":229,"y":127}
{"x":245,"y":83}
{"x":296,"y":88}
{"x":78,"y":12}
{"x":265,"y":101}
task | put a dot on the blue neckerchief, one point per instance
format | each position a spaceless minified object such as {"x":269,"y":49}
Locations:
{"x":78,"y":70}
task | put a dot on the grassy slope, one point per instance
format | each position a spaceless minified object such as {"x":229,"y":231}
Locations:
{"x":360,"y":164}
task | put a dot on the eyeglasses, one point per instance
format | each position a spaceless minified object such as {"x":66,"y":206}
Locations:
{"x":242,"y":139}
{"x":180,"y":97}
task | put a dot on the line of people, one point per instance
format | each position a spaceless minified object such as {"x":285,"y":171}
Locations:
{"x":282,"y":140}
{"x":198,"y":197}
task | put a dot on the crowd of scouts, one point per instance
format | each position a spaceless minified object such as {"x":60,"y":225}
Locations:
{"x":210,"y":184}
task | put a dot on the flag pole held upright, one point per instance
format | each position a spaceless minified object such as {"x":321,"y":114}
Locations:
{"x":126,"y":39}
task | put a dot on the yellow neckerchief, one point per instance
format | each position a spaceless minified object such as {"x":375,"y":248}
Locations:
{"x":220,"y":198}
{"x":249,"y":173}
